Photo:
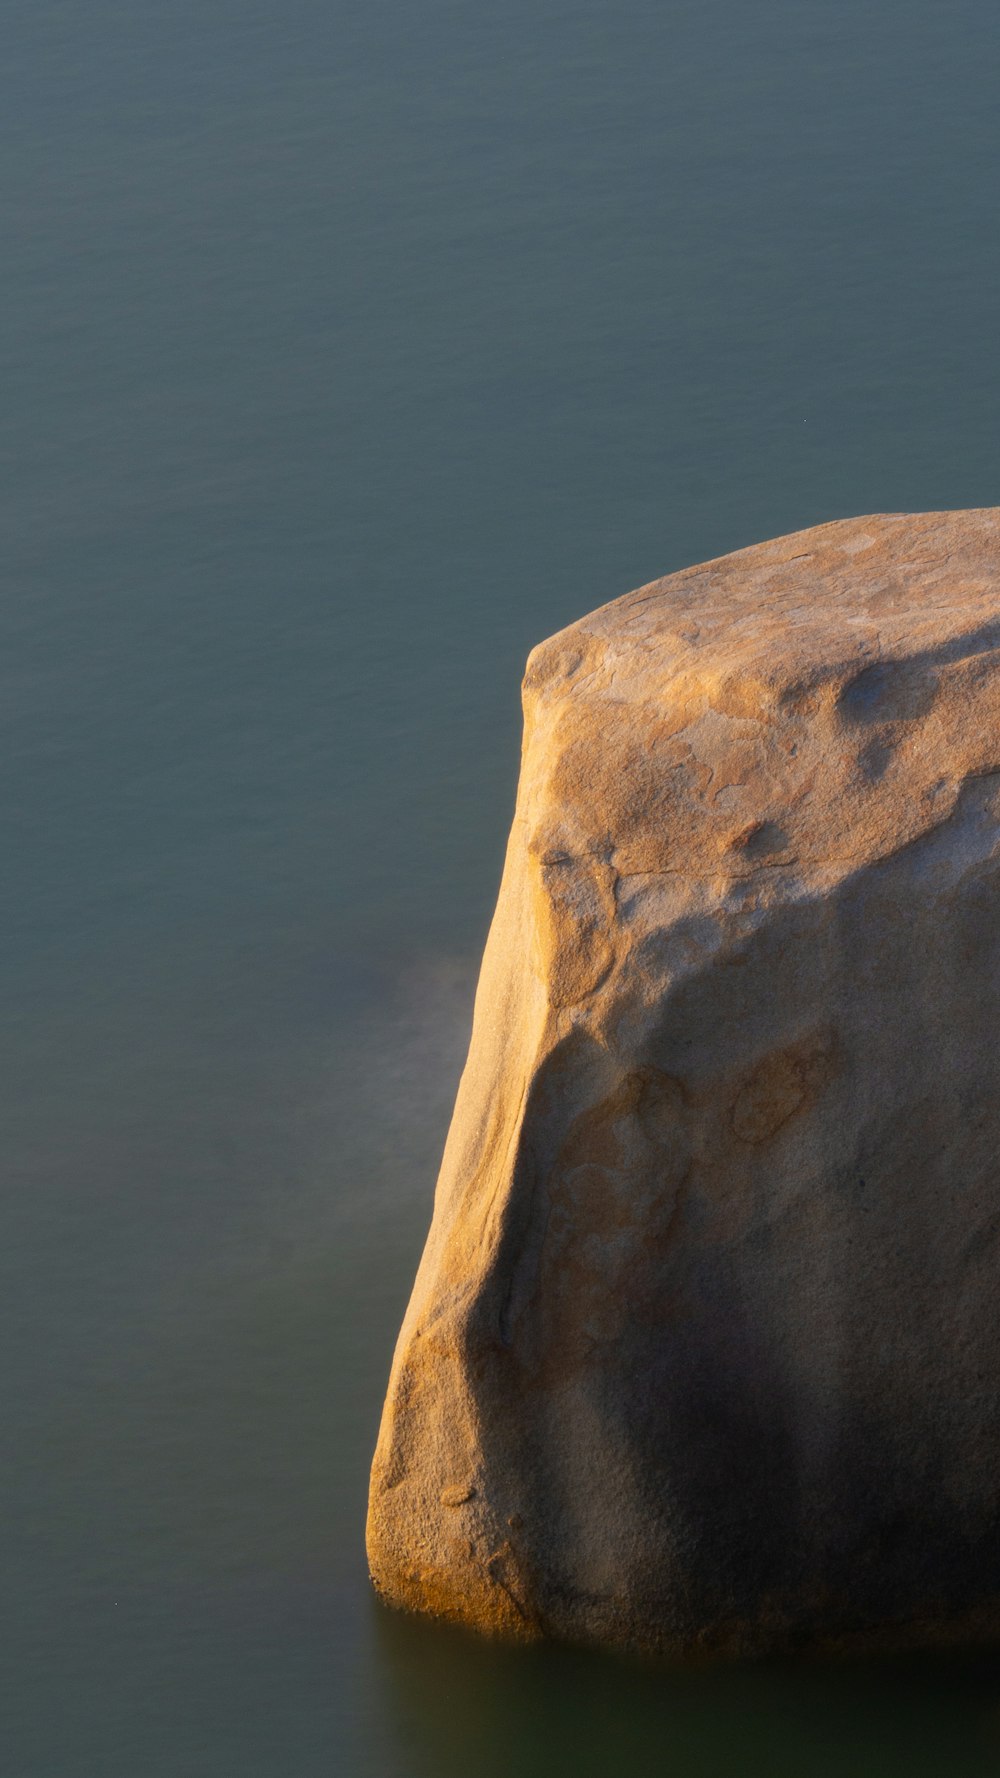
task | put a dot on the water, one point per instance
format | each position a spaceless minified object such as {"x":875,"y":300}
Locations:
{"x":347,"y":350}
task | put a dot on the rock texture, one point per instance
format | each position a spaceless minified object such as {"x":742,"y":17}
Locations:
{"x":703,"y":1351}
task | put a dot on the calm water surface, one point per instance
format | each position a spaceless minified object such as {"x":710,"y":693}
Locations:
{"x":347,"y":350}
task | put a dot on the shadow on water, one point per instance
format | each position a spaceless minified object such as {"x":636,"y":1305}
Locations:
{"x":460,"y":1705}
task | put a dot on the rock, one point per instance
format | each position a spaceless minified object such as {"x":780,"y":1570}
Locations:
{"x":703,"y":1350}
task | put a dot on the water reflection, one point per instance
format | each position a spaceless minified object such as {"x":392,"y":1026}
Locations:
{"x":459,"y":1705}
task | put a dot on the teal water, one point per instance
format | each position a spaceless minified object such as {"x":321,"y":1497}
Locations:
{"x":347,"y":350}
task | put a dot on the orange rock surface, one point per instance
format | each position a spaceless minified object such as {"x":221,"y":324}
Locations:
{"x":703,"y":1351}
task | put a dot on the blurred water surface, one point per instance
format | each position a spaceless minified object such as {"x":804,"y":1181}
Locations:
{"x":347,"y":350}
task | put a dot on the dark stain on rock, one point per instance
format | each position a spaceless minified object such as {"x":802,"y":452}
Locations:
{"x":783,"y":1084}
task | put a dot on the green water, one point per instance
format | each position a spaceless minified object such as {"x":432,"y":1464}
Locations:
{"x":346,"y":351}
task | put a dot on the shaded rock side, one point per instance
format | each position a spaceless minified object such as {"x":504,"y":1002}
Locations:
{"x":703,"y":1350}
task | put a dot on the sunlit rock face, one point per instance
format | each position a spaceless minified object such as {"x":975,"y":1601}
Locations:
{"x":703,"y":1351}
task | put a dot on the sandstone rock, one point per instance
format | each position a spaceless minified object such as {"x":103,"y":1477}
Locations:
{"x":703,"y":1351}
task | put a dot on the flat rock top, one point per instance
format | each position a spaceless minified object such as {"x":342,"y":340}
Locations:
{"x":880,"y":586}
{"x":811,"y":702}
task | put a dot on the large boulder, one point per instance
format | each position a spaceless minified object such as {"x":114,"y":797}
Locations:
{"x":703,"y":1351}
